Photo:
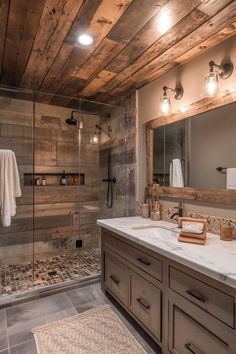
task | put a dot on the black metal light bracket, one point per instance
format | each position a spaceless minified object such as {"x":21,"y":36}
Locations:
{"x":178,"y":90}
{"x":224,"y":70}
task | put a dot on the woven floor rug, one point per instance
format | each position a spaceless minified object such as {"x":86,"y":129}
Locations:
{"x":97,"y":331}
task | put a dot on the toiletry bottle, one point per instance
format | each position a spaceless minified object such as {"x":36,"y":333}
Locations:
{"x":63,"y":178}
{"x":37,"y":181}
{"x":44,"y":181}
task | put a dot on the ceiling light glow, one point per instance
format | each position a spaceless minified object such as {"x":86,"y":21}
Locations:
{"x":85,"y":39}
{"x":163,"y":21}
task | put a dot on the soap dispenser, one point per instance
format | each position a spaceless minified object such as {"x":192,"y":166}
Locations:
{"x":63,"y":178}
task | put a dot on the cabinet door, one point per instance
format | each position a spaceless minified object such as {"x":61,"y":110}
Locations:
{"x":189,"y":337}
{"x":145,"y":304}
{"x":117,"y":278}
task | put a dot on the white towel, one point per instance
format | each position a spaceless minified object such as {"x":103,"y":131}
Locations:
{"x":9,"y":185}
{"x":176,"y":176}
{"x":192,"y":227}
{"x":231,"y":178}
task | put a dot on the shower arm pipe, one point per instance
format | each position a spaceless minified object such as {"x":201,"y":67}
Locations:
{"x":74,"y":112}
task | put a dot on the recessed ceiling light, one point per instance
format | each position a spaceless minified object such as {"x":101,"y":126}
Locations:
{"x":85,"y":39}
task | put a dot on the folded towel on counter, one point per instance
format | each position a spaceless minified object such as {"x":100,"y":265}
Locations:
{"x":192,"y":227}
{"x":176,"y":175}
{"x":9,"y":185}
{"x":231,"y":178}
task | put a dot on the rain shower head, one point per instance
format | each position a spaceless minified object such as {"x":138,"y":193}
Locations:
{"x":74,"y":121}
{"x":71,"y":121}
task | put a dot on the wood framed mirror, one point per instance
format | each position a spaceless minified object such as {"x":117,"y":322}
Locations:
{"x":212,"y":185}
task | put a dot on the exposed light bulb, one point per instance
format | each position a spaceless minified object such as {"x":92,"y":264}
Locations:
{"x":94,"y":139}
{"x":165,"y":106}
{"x":211,"y":84}
{"x":85,"y":39}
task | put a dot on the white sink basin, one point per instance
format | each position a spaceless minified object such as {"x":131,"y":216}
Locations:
{"x":158,"y":232}
{"x":151,"y":226}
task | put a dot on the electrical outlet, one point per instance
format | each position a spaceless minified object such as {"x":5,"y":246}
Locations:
{"x":79,"y":244}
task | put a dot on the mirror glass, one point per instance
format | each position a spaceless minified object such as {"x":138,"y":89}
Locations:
{"x":198,"y":152}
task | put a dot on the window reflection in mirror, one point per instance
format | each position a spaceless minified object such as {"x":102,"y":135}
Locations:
{"x":200,"y":145}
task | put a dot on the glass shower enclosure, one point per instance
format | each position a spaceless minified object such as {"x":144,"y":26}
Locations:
{"x":72,"y":164}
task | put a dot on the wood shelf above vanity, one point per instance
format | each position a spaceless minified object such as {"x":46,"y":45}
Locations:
{"x":216,"y":196}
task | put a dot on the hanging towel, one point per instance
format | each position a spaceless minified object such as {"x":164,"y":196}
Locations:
{"x":9,"y":185}
{"x":231,"y":178}
{"x":176,"y":176}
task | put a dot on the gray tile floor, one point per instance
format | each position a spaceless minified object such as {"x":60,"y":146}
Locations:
{"x":17,"y":321}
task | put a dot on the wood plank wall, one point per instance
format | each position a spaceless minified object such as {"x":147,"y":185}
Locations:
{"x":62,"y":213}
{"x":122,"y":121}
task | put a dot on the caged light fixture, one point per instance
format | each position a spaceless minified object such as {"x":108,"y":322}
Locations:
{"x":165,"y":105}
{"x":211,"y":84}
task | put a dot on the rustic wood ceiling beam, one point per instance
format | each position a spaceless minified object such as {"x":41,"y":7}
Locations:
{"x":121,"y":34}
{"x":142,"y":40}
{"x":103,"y":20}
{"x":135,"y":42}
{"x":23,"y":22}
{"x":164,"y":62}
{"x":84,"y":16}
{"x":56,"y":20}
{"x":4,"y":11}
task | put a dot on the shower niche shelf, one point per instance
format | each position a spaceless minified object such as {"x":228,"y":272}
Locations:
{"x":53,"y":179}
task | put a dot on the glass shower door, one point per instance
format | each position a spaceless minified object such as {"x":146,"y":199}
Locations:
{"x":16,"y":232}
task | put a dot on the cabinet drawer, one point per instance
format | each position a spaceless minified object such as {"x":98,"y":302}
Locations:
{"x":210,"y":299}
{"x":117,"y":278}
{"x":145,"y":304}
{"x":189,"y":337}
{"x":142,"y":260}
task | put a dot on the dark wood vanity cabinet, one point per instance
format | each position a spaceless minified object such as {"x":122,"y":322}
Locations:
{"x":184,"y":311}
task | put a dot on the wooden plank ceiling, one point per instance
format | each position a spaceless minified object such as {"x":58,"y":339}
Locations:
{"x":135,"y":42}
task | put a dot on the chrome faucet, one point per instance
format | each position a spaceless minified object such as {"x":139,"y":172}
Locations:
{"x":180,"y":211}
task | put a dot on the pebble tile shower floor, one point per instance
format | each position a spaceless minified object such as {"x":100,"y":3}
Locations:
{"x":50,"y":271}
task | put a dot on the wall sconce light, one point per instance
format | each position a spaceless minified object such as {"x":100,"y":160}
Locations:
{"x":211,"y":84}
{"x":165,"y":105}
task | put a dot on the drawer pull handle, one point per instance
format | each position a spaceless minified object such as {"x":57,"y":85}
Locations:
{"x":188,"y":347}
{"x":196,"y":295}
{"x":143,"y":303}
{"x":115,"y":279}
{"x":144,"y":261}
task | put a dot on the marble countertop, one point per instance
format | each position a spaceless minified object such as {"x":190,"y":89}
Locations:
{"x":216,"y":258}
